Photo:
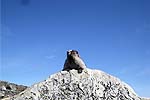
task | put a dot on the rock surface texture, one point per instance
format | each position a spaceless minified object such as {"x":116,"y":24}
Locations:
{"x":88,"y":85}
{"x":10,"y":89}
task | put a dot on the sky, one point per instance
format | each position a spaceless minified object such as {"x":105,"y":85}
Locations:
{"x":110,"y":35}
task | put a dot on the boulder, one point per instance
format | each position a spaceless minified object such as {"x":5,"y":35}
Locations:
{"x":71,"y":85}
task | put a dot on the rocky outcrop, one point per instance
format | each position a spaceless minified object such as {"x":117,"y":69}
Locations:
{"x":9,"y":89}
{"x":88,"y":85}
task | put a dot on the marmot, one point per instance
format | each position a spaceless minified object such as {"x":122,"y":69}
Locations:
{"x":74,"y":61}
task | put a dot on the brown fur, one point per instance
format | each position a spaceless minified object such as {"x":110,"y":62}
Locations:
{"x":74,"y":61}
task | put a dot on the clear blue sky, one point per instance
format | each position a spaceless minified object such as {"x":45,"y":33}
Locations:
{"x":110,"y":35}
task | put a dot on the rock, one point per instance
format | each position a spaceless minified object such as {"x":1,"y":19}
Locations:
{"x":88,"y":85}
{"x":9,"y":89}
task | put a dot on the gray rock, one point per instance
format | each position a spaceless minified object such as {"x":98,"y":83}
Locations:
{"x":88,"y":85}
{"x":9,"y":89}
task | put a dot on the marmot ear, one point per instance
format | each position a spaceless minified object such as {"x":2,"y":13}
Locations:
{"x":77,"y":52}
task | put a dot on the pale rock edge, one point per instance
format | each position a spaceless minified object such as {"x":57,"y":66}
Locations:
{"x":89,"y":85}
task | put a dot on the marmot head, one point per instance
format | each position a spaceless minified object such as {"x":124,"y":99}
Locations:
{"x":72,"y":53}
